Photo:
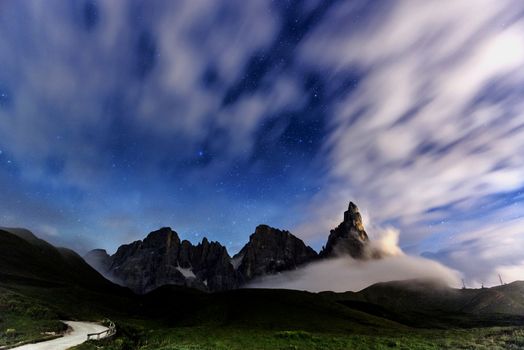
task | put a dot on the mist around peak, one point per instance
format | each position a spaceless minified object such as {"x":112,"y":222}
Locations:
{"x":344,"y":273}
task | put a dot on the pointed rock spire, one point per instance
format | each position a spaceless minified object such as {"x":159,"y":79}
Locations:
{"x":349,"y":238}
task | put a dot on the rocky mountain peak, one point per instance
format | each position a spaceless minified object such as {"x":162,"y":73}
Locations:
{"x":265,"y":233}
{"x":353,"y":220}
{"x":269,"y":251}
{"x":349,"y":238}
{"x":164,"y":237}
{"x":162,"y":258}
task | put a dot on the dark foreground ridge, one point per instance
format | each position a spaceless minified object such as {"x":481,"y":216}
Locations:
{"x":163,"y":259}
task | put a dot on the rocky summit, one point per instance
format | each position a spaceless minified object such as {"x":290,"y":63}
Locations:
{"x":162,"y":258}
{"x":349,"y":237}
{"x":270,"y":251}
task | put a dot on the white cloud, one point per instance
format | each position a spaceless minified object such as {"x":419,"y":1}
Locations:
{"x":68,"y":86}
{"x":428,"y":61}
{"x":345,"y":274}
{"x":48,"y":230}
{"x":484,"y":252}
{"x":436,"y":118}
{"x":385,"y":244}
{"x":511,"y":272}
{"x":416,"y":133}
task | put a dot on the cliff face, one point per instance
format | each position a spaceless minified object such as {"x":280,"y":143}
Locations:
{"x":162,"y":258}
{"x":270,"y":251}
{"x":212,"y":265}
{"x":348,"y":238}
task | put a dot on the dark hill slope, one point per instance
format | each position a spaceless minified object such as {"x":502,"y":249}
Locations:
{"x":24,"y":256}
{"x":507,"y":299}
{"x":56,"y":281}
{"x":259,"y":308}
{"x":430,"y":303}
{"x":428,"y":295}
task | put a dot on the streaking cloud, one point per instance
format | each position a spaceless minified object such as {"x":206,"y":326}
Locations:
{"x":117,"y":118}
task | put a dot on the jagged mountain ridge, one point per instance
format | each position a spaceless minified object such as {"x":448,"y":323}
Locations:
{"x":162,"y":258}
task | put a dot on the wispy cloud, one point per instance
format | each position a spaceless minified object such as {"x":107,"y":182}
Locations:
{"x":233,"y":113}
{"x":483,"y":253}
{"x":112,"y":108}
{"x":435,"y":120}
{"x":139,"y":67}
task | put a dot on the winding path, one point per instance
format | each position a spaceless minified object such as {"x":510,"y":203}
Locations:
{"x":77,"y":336}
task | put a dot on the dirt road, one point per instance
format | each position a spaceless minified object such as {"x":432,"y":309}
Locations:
{"x":77,"y":336}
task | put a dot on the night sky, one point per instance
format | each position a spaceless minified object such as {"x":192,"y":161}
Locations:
{"x":211,"y":117}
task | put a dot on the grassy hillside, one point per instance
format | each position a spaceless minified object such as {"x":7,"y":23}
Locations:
{"x":41,"y":284}
{"x":194,"y":338}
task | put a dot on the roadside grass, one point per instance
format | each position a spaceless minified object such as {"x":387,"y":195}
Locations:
{"x":141,"y":336}
{"x":25,"y":319}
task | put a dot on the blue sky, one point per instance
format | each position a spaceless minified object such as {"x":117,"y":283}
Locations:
{"x":118,"y":117}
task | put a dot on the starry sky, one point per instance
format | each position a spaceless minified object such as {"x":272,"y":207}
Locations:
{"x":209,"y":116}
